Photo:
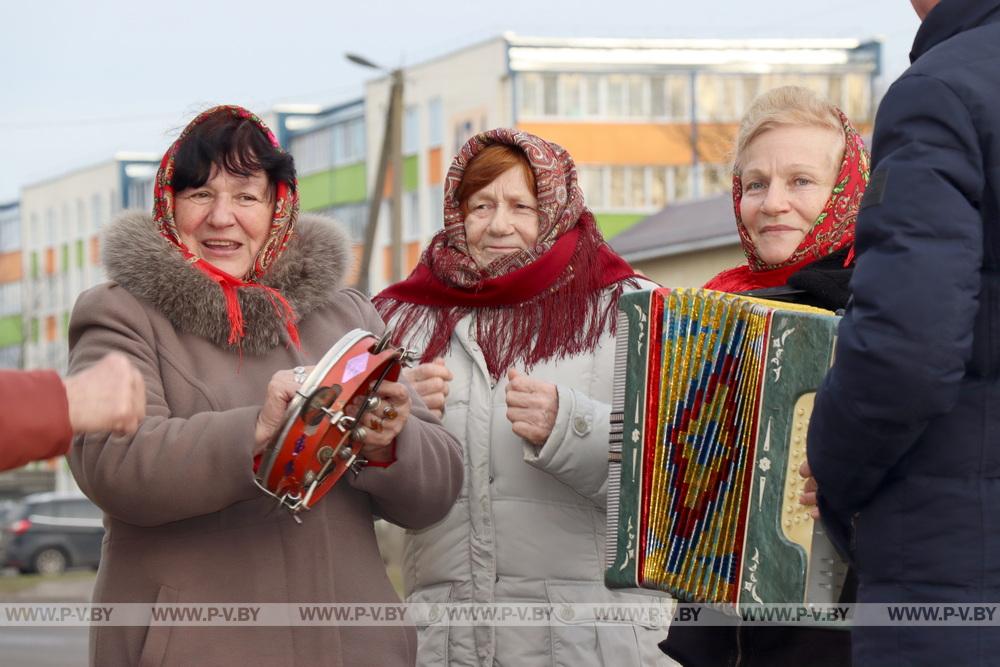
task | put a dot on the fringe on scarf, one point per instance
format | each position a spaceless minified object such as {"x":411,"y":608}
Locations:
{"x":566,"y":319}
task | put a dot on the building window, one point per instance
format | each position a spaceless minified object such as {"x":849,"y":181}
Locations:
{"x":10,"y":298}
{"x":716,"y":179}
{"x":411,"y":130}
{"x":50,"y":227}
{"x":97,"y":211}
{"x":550,"y":92}
{"x":436,"y":197}
{"x":617,"y":187}
{"x":682,"y":183}
{"x":411,"y":216}
{"x":658,"y":187}
{"x":638,"y":104}
{"x":592,"y":182}
{"x":637,"y":186}
{"x":435,"y":123}
{"x":592,"y":86}
{"x":617,"y":90}
{"x":312,"y":151}
{"x":10,"y":233}
{"x":571,"y":95}
{"x":531,"y":94}
{"x":353,"y":217}
{"x":858,"y":101}
{"x":646,"y":188}
{"x":10,"y":357}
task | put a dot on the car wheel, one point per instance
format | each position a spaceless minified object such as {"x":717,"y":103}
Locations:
{"x":50,"y":561}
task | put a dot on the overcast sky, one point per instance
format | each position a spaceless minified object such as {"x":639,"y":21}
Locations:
{"x":83,"y":80}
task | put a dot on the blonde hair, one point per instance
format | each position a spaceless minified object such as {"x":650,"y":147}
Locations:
{"x":787,"y":105}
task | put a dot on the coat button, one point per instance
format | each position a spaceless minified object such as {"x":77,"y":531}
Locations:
{"x":497,"y":580}
{"x":491,"y":479}
{"x":581,"y":426}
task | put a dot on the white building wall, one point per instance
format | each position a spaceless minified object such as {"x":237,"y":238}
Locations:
{"x":473,"y":88}
{"x":56,"y":213}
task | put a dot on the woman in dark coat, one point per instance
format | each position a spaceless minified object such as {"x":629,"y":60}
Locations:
{"x":799,"y":175}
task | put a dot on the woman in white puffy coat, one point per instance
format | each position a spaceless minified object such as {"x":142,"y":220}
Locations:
{"x":512,"y":307}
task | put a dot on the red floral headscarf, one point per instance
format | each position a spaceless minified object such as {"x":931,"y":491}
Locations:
{"x":833,"y":229}
{"x":286,"y":210}
{"x":538,"y":303}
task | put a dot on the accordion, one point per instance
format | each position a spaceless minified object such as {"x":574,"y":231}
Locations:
{"x":712,"y":396}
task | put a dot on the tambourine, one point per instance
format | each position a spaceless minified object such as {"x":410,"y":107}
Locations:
{"x":319,"y":437}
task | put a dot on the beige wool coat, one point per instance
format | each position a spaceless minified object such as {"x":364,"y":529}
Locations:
{"x":184,"y":521}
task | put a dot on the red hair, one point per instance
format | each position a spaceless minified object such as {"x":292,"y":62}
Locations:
{"x":487,"y":165}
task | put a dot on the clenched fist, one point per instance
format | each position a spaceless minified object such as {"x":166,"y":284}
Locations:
{"x":431,"y":382}
{"x":108,"y":396}
{"x":532,"y":406}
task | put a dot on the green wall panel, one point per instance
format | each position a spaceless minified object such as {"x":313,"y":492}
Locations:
{"x":343,"y":185}
{"x":64,"y":255}
{"x":11,"y":331}
{"x":411,"y":173}
{"x":612,"y":224}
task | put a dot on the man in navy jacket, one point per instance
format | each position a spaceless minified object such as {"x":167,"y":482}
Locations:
{"x":905,"y":436}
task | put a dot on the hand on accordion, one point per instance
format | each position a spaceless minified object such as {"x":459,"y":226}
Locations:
{"x":808,"y":497}
{"x":532,"y":406}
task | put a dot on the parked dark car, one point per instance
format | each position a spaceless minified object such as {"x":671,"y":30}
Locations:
{"x":49,"y":532}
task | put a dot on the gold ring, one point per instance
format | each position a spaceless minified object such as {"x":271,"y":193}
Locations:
{"x":376,"y":424}
{"x":389,"y":412}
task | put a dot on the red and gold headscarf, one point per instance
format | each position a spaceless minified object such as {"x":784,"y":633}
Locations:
{"x":286,"y":210}
{"x":833,"y":229}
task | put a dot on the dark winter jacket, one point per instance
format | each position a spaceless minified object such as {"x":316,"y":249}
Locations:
{"x":905,"y":436}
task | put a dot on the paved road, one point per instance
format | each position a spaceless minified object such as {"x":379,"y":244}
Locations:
{"x":44,"y":647}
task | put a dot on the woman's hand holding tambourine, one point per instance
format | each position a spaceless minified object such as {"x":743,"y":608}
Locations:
{"x":280,"y":390}
{"x":383,"y":423}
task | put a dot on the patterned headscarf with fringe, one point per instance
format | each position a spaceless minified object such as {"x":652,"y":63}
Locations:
{"x":542,"y":302}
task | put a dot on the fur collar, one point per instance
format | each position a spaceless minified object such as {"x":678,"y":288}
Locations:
{"x":312,"y":268}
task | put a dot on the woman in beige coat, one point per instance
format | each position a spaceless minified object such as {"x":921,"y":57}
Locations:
{"x":214,"y":299}
{"x":518,"y":295}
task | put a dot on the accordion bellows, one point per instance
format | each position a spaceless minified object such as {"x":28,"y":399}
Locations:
{"x":711,"y":402}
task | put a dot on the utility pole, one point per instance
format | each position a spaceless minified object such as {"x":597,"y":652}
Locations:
{"x":390,"y":155}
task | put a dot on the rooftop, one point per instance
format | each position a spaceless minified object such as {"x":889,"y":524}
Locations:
{"x":684,"y":227}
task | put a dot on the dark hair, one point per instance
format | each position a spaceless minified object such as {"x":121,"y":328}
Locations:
{"x":231,"y":143}
{"x":487,"y":165}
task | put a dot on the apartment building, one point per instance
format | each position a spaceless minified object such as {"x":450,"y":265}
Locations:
{"x":649,"y":122}
{"x":11,"y":322}
{"x":60,"y":223}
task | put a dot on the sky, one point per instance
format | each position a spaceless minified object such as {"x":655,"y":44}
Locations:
{"x":80,"y":81}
